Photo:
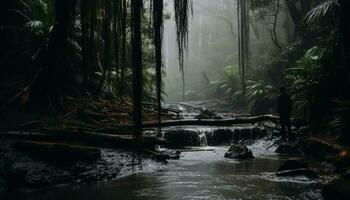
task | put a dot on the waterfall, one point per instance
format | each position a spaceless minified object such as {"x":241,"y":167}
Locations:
{"x":213,"y":136}
{"x":203,"y":139}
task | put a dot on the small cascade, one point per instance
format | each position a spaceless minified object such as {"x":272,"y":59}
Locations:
{"x":214,"y":136}
{"x":203,"y":139}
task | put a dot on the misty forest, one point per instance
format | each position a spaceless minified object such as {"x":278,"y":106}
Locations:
{"x":174,"y":99}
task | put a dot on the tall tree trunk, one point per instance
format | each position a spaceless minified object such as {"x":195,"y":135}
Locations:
{"x":116,"y":33}
{"x":50,"y":85}
{"x":243,"y":39}
{"x":137,"y":69}
{"x":85,"y":24}
{"x":123,"y":48}
{"x":158,"y":29}
{"x":298,"y":10}
{"x":106,"y":44}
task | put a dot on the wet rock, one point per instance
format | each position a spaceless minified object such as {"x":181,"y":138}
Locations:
{"x":294,"y":167}
{"x":337,"y":189}
{"x":289,"y":148}
{"x":239,"y":152}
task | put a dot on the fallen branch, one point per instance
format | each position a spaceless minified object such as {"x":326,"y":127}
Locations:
{"x":215,"y":122}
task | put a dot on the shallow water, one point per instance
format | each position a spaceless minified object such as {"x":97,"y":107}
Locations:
{"x":197,"y":175}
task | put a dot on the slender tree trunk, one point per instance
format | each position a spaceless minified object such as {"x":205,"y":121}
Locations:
{"x":116,"y":33}
{"x":106,"y":44}
{"x":123,"y":48}
{"x":84,"y":20}
{"x":158,"y":29}
{"x":137,"y":69}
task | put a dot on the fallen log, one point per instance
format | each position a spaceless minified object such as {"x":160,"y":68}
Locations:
{"x":214,"y":122}
{"x":91,"y":138}
{"x":57,"y":151}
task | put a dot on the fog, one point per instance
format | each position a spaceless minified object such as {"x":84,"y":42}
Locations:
{"x":212,"y":46}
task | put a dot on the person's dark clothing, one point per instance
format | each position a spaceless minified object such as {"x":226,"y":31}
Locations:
{"x":284,"y":109}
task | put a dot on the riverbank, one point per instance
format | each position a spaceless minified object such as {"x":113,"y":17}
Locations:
{"x":22,"y":170}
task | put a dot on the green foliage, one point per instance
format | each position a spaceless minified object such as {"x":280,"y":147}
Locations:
{"x":228,"y":83}
{"x":259,"y":89}
{"x":324,"y":9}
{"x":303,"y":79}
{"x":261,"y":97}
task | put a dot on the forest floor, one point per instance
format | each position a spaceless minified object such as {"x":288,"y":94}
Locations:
{"x":93,"y":141}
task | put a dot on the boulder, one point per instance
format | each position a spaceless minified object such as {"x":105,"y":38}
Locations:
{"x":294,"y":167}
{"x":289,"y":148}
{"x":337,"y":189}
{"x":239,"y":152}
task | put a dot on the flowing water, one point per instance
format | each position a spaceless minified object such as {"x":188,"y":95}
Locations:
{"x":200,"y":174}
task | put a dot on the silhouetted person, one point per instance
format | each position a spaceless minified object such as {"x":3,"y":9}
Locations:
{"x":284,"y":109}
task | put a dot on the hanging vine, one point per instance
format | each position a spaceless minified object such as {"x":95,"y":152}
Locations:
{"x":181,"y":9}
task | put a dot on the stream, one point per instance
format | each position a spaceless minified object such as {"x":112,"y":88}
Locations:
{"x":202,"y":173}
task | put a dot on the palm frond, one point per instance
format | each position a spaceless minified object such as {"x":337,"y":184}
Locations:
{"x":321,"y":10}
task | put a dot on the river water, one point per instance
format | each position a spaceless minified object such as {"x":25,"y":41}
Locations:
{"x":200,"y":174}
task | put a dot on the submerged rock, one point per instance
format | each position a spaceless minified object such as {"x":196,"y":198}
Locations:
{"x":294,"y":167}
{"x":239,"y":152}
{"x":337,"y":189}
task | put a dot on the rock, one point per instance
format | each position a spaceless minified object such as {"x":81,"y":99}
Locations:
{"x":294,"y":167}
{"x":337,"y":189}
{"x":289,"y":148}
{"x":239,"y":152}
{"x":292,"y":164}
